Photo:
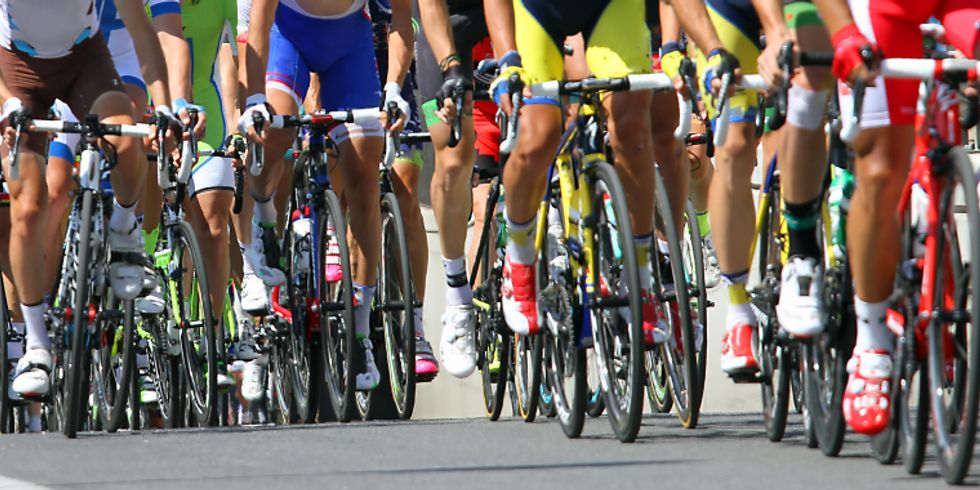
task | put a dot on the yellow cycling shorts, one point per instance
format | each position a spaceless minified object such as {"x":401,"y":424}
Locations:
{"x":616,"y":36}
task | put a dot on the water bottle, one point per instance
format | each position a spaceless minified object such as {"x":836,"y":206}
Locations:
{"x":501,"y":222}
{"x":919,"y":207}
{"x":838,"y":202}
{"x":614,"y":227}
{"x":300,"y":226}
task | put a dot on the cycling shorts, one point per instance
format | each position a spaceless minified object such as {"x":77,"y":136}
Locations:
{"x":617,"y":39}
{"x":123,"y":53}
{"x":78,"y":78}
{"x":894,"y":26}
{"x":738,"y":29}
{"x":339,"y":50}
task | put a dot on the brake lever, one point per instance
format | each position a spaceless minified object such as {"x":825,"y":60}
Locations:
{"x":515,"y":90}
{"x":188,"y":152}
{"x":163,"y":170}
{"x":785,"y":60}
{"x":19,"y":120}
{"x":456,"y":133}
{"x":254,"y":149}
{"x":391,"y":139}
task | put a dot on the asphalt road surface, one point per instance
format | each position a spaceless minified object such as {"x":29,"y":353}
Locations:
{"x":727,"y":451}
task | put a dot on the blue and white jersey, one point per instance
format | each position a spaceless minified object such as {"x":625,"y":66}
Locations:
{"x":46,"y":28}
{"x":109,"y":19}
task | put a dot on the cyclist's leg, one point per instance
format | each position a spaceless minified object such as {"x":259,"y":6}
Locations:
{"x":450,"y":191}
{"x":803,"y":166}
{"x":883,"y":152}
{"x":674,"y":170}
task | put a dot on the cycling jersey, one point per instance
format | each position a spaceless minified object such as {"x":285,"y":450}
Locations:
{"x":45,"y":29}
{"x":485,"y":117}
{"x":339,"y":49}
{"x":894,"y":26}
{"x":617,"y":39}
{"x":121,"y":42}
{"x":207,"y":25}
{"x":738,"y":29}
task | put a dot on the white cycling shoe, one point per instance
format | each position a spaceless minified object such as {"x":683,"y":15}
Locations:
{"x":254,"y":294}
{"x":457,"y":346}
{"x":31,"y":378}
{"x":369,"y":377}
{"x":126,"y":270}
{"x":800,"y":308}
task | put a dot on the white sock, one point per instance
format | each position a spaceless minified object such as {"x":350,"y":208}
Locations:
{"x":37,"y":330}
{"x":362,"y":312}
{"x":663,"y":246}
{"x":123,"y":219}
{"x":644,"y":245}
{"x":739,"y":315}
{"x":520,"y":241}
{"x":419,"y":327}
{"x":458,"y":291}
{"x":872,"y":332}
{"x":265,"y":210}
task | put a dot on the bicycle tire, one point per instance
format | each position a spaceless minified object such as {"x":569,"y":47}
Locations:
{"x":298,"y":295}
{"x":682,"y":362}
{"x":773,"y":355}
{"x":399,"y":323}
{"x":113,"y":361}
{"x":696,"y":270}
{"x":337,"y":332}
{"x":624,"y":404}
{"x":74,"y":368}
{"x":165,"y":369}
{"x":564,"y":359}
{"x":493,"y":339}
{"x":193,"y":314}
{"x":955,"y":424}
{"x":283,"y":412}
{"x":528,"y":354}
{"x":658,"y":383}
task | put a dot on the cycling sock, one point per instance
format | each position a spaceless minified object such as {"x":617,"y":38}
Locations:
{"x":801,"y":220}
{"x":37,"y":330}
{"x":739,"y":309}
{"x":520,"y":243}
{"x":458,"y":291}
{"x":364,"y":296}
{"x":872,"y":333}
{"x":644,"y":244}
{"x":123,"y":218}
{"x":704,"y":225}
{"x":34,"y":424}
{"x":264,"y":210}
{"x":419,"y":327}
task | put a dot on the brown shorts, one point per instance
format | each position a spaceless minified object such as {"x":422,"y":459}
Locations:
{"x":77,"y":78}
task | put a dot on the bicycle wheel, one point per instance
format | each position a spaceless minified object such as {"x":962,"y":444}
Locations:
{"x":282,"y":406}
{"x":694,"y":267}
{"x":612,"y":268}
{"x":397,"y":304}
{"x":528,"y":354}
{"x":954,"y":346}
{"x":113,"y":360}
{"x":564,"y":357}
{"x":774,"y":359}
{"x":193,"y":315}
{"x":337,"y":336}
{"x":824,"y":363}
{"x":300,"y":319}
{"x":681,"y":359}
{"x":75,"y":362}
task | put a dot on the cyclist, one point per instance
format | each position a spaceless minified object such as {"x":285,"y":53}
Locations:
{"x":618,"y":44}
{"x":291,"y":36}
{"x":56,"y":51}
{"x":407,"y":172}
{"x":450,"y":30}
{"x":883,"y":152}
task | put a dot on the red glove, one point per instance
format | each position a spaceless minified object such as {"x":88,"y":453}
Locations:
{"x":848,"y":44}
